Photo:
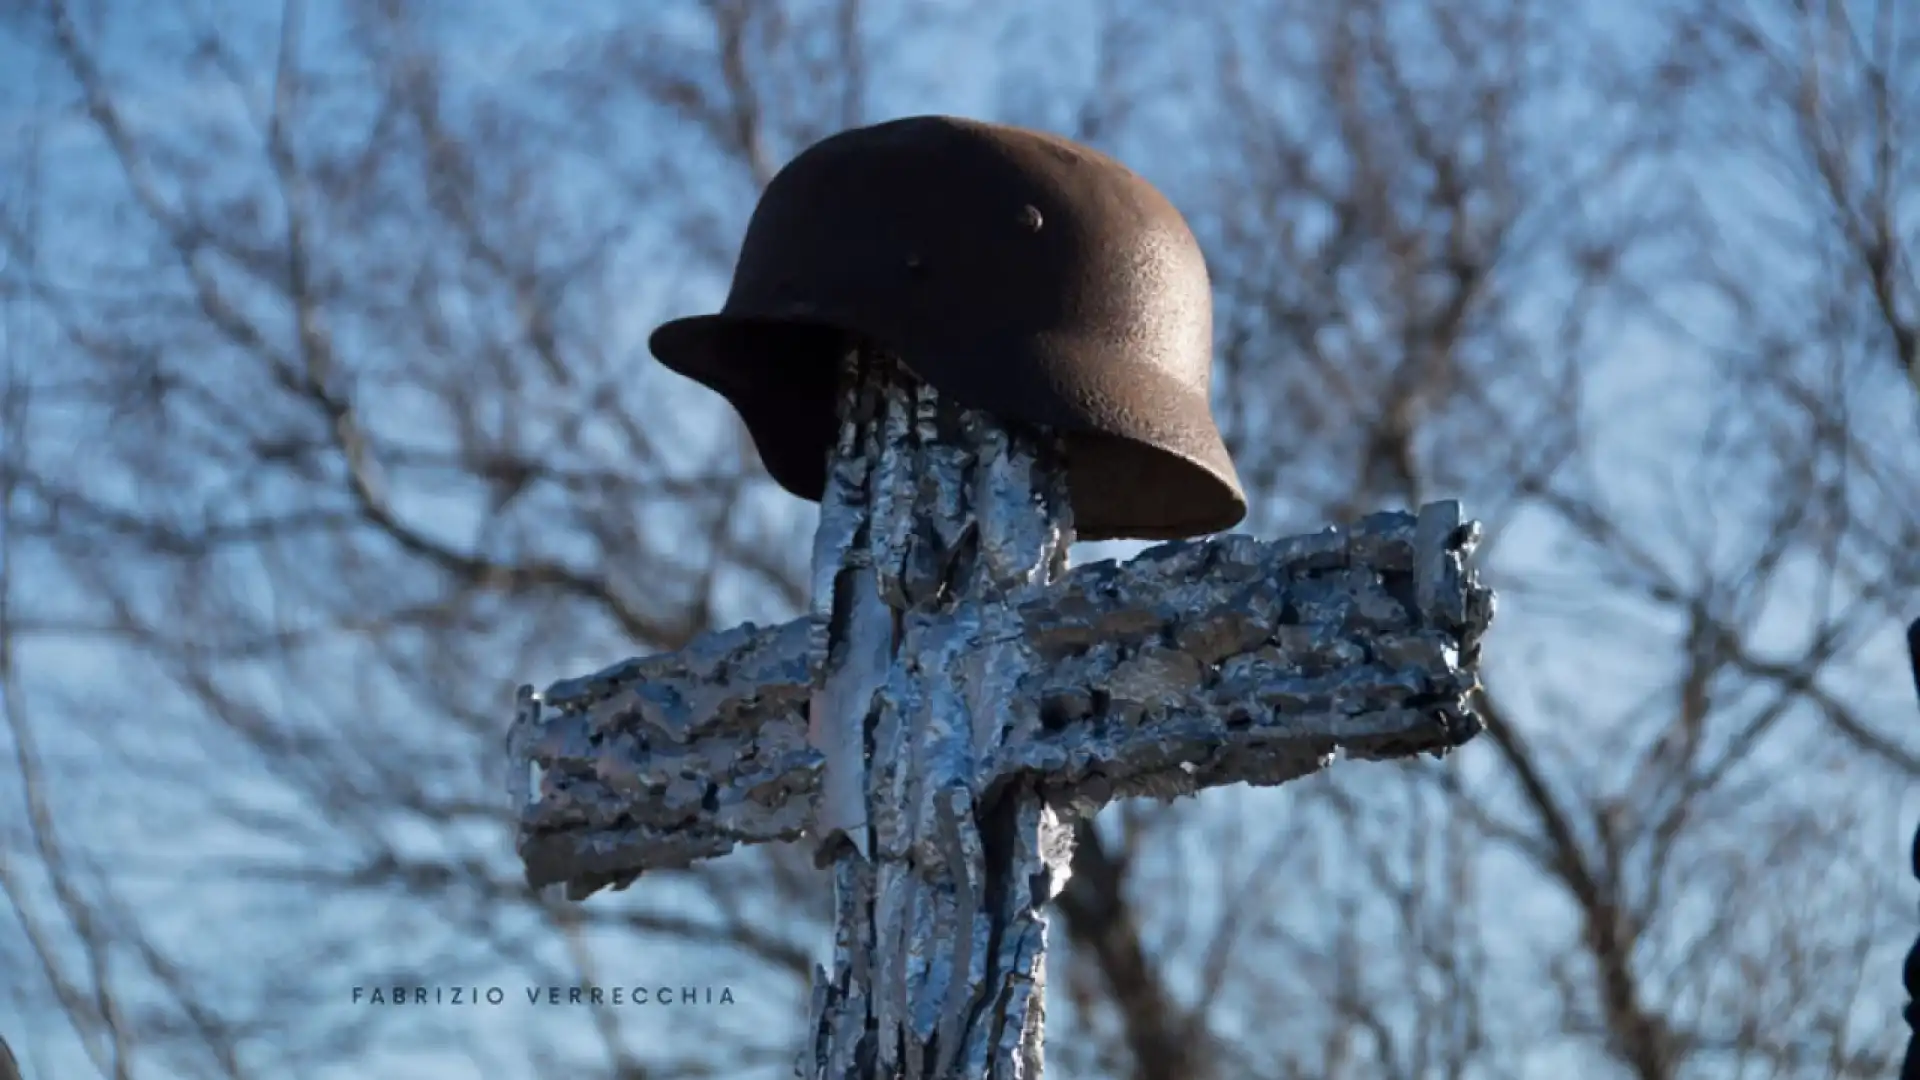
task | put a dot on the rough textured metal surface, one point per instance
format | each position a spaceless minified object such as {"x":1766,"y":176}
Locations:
{"x":1201,"y":663}
{"x":935,"y":519}
{"x":1237,"y":661}
{"x":662,"y":760}
{"x":956,"y":697}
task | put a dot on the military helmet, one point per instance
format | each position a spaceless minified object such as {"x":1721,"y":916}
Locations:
{"x":1017,"y":273}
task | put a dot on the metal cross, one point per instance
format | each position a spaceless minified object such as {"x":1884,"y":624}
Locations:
{"x":957,"y":698}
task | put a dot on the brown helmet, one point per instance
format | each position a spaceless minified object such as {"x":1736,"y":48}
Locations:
{"x":1017,"y":273}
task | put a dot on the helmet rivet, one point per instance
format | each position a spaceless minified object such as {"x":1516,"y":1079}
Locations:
{"x":1030,"y":218}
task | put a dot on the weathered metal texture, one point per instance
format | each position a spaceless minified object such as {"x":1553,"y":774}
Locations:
{"x":1363,"y":638}
{"x":935,"y":519}
{"x":1017,"y":272}
{"x":956,"y":698}
{"x":664,"y":760}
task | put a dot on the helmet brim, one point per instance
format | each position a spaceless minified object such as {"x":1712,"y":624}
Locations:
{"x":781,"y":376}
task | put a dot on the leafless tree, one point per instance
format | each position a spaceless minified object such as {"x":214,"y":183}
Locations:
{"x":1432,"y":247}
{"x":327,"y":418}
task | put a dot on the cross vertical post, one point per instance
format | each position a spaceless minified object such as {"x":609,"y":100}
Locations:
{"x":934,"y":517}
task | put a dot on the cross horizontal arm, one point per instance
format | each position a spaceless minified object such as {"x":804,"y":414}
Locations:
{"x":664,"y":760}
{"x":1236,"y":660}
{"x":1194,"y":665}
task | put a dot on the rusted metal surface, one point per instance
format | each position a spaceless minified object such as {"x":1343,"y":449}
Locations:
{"x":1019,"y":273}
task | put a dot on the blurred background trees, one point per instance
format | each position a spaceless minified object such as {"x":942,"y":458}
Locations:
{"x":326,"y":417}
